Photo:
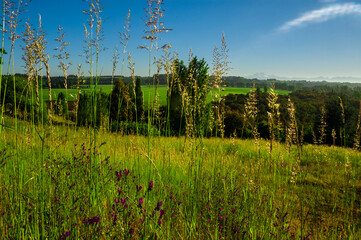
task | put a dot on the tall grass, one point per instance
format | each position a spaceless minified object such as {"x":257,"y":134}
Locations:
{"x":243,"y":201}
{"x":88,"y":183}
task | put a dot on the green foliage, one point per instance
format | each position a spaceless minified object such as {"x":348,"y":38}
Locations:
{"x":139,"y":98}
{"x":21,"y":91}
{"x":121,"y":104}
{"x":60,"y":107}
{"x":85,"y":110}
{"x":188,"y":96}
{"x":308,"y":104}
{"x":102,"y":109}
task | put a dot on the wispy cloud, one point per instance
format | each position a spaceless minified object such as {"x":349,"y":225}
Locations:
{"x":322,"y":15}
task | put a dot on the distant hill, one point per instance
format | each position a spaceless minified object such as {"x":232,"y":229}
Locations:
{"x":260,"y":80}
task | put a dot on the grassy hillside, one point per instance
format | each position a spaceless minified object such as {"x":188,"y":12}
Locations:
{"x":147,"y":91}
{"x":65,"y":184}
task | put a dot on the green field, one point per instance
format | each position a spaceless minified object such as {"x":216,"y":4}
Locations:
{"x":133,"y":187}
{"x":148,"y":92}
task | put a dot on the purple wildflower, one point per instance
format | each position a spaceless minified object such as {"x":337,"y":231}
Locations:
{"x":159,"y":205}
{"x":138,"y":188}
{"x":126,"y":172}
{"x":65,"y":235}
{"x":161,"y":213}
{"x":93,"y":220}
{"x":150,"y":186}
{"x":141,"y":201}
{"x":119,"y":174}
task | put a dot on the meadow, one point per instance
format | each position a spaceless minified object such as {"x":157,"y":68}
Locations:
{"x":148,"y":92}
{"x":174,"y":175}
{"x":131,"y":187}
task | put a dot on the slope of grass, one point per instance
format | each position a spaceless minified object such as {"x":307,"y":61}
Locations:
{"x":66,"y":185}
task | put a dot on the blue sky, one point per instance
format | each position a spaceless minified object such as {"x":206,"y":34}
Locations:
{"x":290,"y":38}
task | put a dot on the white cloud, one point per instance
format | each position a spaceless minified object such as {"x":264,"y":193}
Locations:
{"x":322,"y":15}
{"x":327,"y":1}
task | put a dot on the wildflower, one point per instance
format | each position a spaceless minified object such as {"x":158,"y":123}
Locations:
{"x":150,"y":186}
{"x":126,"y":172}
{"x":159,"y":205}
{"x":159,"y":221}
{"x":123,"y":201}
{"x":179,"y":203}
{"x":119,"y":174}
{"x":138,"y":188}
{"x":96,"y":219}
{"x":65,"y":235}
{"x":141,"y":201}
{"x":161,"y":213}
{"x":131,"y":231}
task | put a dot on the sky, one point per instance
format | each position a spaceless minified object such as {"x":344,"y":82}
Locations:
{"x":283,"y":38}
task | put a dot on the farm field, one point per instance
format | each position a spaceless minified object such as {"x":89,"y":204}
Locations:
{"x":148,"y":92}
{"x":133,"y":186}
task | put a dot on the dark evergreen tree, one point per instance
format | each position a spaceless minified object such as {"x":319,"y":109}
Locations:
{"x":85,"y":110}
{"x":121,"y":104}
{"x":139,"y":99}
{"x":61,"y":107}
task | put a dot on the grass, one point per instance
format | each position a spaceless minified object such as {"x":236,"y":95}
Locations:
{"x":214,"y":188}
{"x":147,"y":91}
{"x":62,"y":181}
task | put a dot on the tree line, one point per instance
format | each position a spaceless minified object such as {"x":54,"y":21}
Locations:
{"x":329,"y":115}
{"x":229,"y":81}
